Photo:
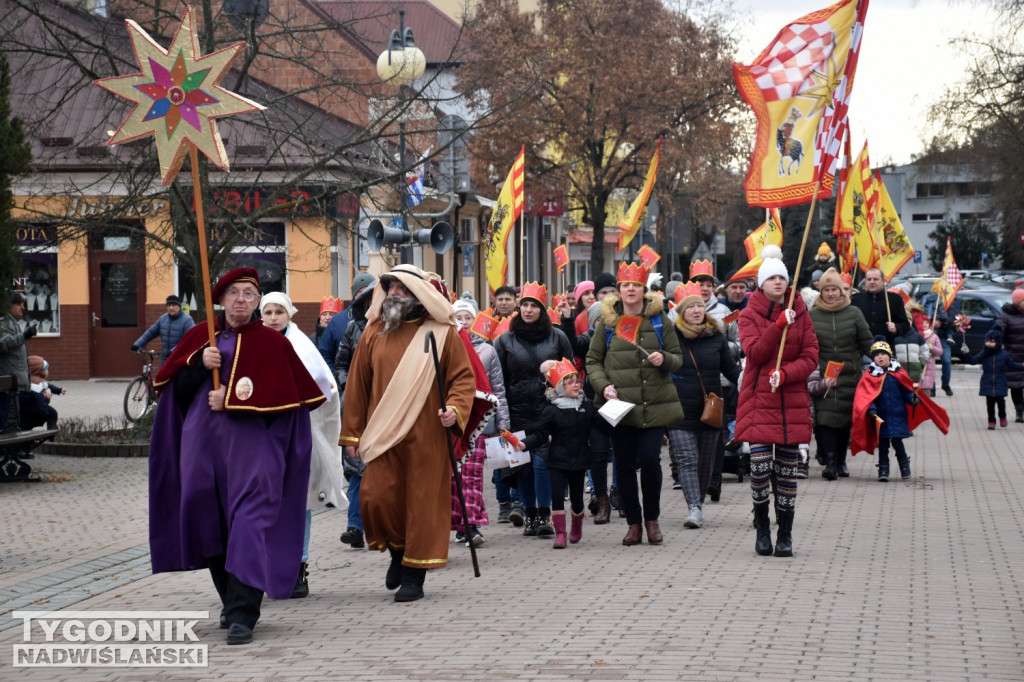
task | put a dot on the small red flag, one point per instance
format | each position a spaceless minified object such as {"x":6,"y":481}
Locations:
{"x":731,"y":317}
{"x":561,"y":257}
{"x":648,"y":256}
{"x":628,"y":328}
{"x":484,"y":326}
{"x":503,"y":326}
{"x":833,"y":369}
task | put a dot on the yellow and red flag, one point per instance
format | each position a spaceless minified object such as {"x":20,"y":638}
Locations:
{"x":648,"y":257}
{"x":770,"y":232}
{"x":634,"y":216}
{"x":857,"y":209}
{"x":628,"y":328}
{"x":951,"y":281}
{"x":506,"y":212}
{"x":799,"y":89}
{"x":561,"y":254}
{"x":484,"y":326}
{"x":896,"y":248}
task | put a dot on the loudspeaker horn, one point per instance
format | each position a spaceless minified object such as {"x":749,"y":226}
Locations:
{"x":378,"y":236}
{"x":440,"y":237}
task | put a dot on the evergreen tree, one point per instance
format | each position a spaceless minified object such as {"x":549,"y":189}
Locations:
{"x":15,"y":159}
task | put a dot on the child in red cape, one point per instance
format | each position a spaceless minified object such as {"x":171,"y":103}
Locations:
{"x":886,"y":408}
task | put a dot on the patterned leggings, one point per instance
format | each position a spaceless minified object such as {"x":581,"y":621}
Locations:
{"x":472,"y":487}
{"x":767,"y":459}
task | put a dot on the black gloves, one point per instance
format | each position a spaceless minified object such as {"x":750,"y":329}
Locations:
{"x":30,"y":331}
{"x":134,"y":349}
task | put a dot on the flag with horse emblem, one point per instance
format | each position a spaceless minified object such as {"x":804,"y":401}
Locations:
{"x":799,"y":89}
{"x":506,"y":212}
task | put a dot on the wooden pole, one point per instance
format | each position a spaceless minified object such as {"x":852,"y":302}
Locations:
{"x":204,"y":258}
{"x":885,"y":282}
{"x":796,"y":274}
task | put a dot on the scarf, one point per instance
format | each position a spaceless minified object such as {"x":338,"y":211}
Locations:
{"x":841,"y":304}
{"x":693,"y":331}
{"x":875,"y":370}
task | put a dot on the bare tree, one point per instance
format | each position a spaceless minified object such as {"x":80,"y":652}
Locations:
{"x":589,"y":86}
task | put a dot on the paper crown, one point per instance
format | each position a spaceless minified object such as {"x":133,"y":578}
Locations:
{"x":880,"y":347}
{"x":537,"y":291}
{"x":686,"y":290}
{"x":631,"y":272}
{"x":331,"y":305}
{"x":560,"y":370}
{"x":846,"y":279}
{"x":702,"y":268}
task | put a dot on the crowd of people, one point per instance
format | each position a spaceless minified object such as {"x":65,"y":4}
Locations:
{"x":407,"y":379}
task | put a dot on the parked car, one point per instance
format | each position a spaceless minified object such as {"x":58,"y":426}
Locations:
{"x":1009,"y":278}
{"x":982,"y":308}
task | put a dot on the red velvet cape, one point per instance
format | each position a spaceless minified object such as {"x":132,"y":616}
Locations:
{"x":276,"y":376}
{"x":864,"y":434}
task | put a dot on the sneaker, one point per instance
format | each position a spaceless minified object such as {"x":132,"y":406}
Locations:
{"x":460,"y":537}
{"x":354,"y":537}
{"x":504,"y":511}
{"x":883,"y":478}
{"x":991,"y":426}
{"x":695,"y":519}
{"x":517,"y":515}
{"x":947,"y":389}
{"x":476,"y":537}
{"x":1002,"y":422}
{"x":676,"y":485}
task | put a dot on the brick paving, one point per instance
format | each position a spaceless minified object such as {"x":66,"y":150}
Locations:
{"x":916,"y":580}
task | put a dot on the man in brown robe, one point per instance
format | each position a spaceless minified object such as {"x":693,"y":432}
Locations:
{"x":394,"y":421}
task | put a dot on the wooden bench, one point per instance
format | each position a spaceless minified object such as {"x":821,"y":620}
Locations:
{"x":15,"y":444}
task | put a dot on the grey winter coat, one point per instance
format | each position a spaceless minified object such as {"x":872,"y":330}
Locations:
{"x":13,"y":355}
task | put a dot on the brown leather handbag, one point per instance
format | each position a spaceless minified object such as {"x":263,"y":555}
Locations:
{"x":714,"y":406}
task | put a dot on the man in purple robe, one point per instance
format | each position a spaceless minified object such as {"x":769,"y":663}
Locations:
{"x":228,"y":469}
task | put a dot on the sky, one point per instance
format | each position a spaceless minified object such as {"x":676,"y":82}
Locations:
{"x":906,"y":61}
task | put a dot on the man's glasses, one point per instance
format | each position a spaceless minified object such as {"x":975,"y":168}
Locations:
{"x":246,"y":295}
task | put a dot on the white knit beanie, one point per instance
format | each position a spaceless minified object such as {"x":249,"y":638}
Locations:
{"x":281,"y":299}
{"x":772,"y":265}
{"x":464,"y":305}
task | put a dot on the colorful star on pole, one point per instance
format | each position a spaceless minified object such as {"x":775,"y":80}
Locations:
{"x":176,"y":97}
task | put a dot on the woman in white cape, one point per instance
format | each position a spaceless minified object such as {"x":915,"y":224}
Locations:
{"x":326,"y":482}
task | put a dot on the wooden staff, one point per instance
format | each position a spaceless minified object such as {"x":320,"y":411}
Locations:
{"x":799,"y":264}
{"x":878,"y":243}
{"x":203,"y":256}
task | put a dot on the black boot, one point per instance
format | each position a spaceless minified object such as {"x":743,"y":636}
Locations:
{"x":544,"y":528}
{"x":301,"y":589}
{"x":904,"y":464}
{"x":394,"y":576}
{"x":530,"y":525}
{"x":829,"y":474}
{"x":764,"y":530}
{"x":353,"y":536}
{"x":412,"y":584}
{"x":784,"y":542}
{"x":883,"y":470}
{"x":1020,"y":415}
{"x":841,"y":468}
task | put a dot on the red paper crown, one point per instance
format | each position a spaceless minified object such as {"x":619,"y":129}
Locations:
{"x":331,"y":305}
{"x":684,"y":290}
{"x":536,"y":291}
{"x":846,"y":279}
{"x":902,"y":294}
{"x":702,"y":268}
{"x":561,"y":370}
{"x":631,"y":272}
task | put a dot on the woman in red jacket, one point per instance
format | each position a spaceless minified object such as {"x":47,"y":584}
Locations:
{"x":774,"y":411}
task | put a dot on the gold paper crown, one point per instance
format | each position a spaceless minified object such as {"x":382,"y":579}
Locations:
{"x":331,"y":305}
{"x":632,"y":272}
{"x":685,"y":290}
{"x":702,"y":268}
{"x":880,"y":347}
{"x":560,"y":370}
{"x":536,"y":291}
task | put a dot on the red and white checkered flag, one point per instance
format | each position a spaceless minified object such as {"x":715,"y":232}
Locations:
{"x":951,"y":280}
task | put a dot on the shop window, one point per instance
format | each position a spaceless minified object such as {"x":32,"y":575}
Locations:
{"x":38,"y":277}
{"x":263,"y":246}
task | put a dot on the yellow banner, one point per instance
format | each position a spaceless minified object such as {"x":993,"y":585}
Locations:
{"x":770,"y":232}
{"x":631,"y":223}
{"x":856,"y":214}
{"x":896,"y":248}
{"x":506,"y":212}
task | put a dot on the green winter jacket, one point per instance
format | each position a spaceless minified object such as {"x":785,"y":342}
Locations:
{"x":623,"y":366}
{"x":843,"y":337}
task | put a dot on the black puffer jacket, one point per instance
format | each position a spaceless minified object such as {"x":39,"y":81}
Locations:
{"x":569,"y":430}
{"x":1011,"y":321}
{"x":714,"y":358}
{"x":350,"y":338}
{"x":520,"y":360}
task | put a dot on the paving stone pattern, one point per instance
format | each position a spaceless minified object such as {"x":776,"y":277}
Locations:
{"x":907,"y":580}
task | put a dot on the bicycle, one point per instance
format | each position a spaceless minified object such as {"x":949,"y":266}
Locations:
{"x":140,"y":393}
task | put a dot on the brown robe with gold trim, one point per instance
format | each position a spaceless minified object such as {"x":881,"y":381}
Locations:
{"x":405,"y":495}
